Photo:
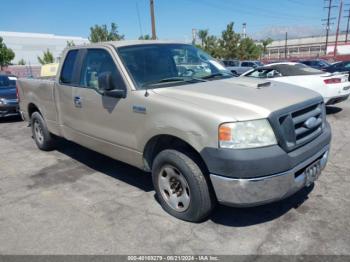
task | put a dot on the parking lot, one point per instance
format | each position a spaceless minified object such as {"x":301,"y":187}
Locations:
{"x":76,"y":201}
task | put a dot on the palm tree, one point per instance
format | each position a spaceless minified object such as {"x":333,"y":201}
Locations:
{"x":47,"y":58}
{"x":203,"y":35}
{"x":265,"y":43}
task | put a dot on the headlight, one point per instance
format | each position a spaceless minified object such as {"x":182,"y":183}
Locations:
{"x":1,"y":101}
{"x":248,"y":134}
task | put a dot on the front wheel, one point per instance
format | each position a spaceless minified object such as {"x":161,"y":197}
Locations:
{"x":181,"y":186}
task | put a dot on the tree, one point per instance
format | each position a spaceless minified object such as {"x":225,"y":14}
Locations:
{"x":145,"y":37}
{"x":229,"y":42}
{"x":230,"y":45}
{"x":203,"y":35}
{"x":21,"y":62}
{"x":209,"y":43}
{"x":247,"y":49}
{"x":70,"y":43}
{"x":102,"y":34}
{"x":6,"y":54}
{"x":265,"y":43}
{"x":212,"y":46}
{"x":47,"y":58}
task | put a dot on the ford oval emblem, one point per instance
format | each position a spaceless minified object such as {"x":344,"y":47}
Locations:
{"x":311,"y":122}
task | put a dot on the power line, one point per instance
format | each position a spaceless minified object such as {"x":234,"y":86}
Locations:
{"x":139,"y":18}
{"x":252,"y":10}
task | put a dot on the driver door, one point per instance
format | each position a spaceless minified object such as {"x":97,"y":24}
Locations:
{"x":101,"y":118}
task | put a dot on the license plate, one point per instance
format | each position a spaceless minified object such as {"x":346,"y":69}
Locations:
{"x":312,"y":172}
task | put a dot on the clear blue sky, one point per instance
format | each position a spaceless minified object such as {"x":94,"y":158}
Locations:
{"x":174,"y":18}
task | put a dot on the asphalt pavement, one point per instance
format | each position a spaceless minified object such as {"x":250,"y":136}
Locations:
{"x":76,"y":201}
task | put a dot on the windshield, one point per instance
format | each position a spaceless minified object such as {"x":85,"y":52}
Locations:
{"x":323,"y":63}
{"x":7,"y":81}
{"x":280,"y":70}
{"x":163,"y":65}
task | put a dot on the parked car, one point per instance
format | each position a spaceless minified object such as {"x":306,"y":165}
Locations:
{"x":8,"y":97}
{"x":204,"y":135}
{"x":334,"y":88}
{"x":239,"y":67}
{"x":316,"y":63}
{"x":338,"y":67}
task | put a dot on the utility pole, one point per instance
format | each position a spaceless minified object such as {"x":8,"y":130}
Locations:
{"x":328,"y":20}
{"x":337,"y":35}
{"x":286,"y":47}
{"x":154,"y":35}
{"x":347,"y":26}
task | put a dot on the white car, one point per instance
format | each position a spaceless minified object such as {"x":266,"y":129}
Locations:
{"x":334,"y":88}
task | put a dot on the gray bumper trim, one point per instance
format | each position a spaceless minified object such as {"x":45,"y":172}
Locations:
{"x":262,"y":190}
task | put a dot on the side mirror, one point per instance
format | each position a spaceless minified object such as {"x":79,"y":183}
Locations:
{"x":106,"y":84}
{"x":117,"y":93}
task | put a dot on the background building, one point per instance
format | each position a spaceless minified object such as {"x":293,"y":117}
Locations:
{"x":28,"y":46}
{"x":307,"y":47}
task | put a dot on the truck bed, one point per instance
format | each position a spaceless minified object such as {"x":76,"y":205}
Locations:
{"x":39,"y":92}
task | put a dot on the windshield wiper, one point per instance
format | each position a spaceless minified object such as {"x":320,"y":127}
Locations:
{"x":175,"y":79}
{"x":216,"y":75}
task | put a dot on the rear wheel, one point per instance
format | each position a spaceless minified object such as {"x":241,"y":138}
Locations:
{"x":181,"y":186}
{"x":42,"y":137}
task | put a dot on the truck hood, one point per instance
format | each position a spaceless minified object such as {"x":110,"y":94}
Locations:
{"x":8,"y":92}
{"x":241,"y":99}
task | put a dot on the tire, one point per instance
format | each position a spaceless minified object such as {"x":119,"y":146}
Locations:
{"x":181,"y":187}
{"x":43,"y":138}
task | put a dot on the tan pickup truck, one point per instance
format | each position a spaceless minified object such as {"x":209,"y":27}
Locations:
{"x":172,"y":110}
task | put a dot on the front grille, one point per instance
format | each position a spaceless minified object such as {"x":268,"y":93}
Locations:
{"x":299,"y":127}
{"x":304,"y":133}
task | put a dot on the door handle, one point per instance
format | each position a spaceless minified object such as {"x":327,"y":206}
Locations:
{"x":77,"y":101}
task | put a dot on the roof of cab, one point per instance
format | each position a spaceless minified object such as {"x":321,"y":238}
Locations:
{"x":130,"y":43}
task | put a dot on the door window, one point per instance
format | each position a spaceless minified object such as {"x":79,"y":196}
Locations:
{"x":97,"y":62}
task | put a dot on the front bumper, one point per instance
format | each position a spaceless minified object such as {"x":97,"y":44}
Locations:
{"x":263,"y":190}
{"x":9,"y":110}
{"x":258,"y":176}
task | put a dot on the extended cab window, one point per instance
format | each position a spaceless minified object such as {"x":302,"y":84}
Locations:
{"x":97,"y":62}
{"x":68,"y":67}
